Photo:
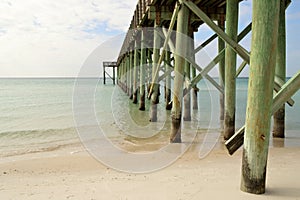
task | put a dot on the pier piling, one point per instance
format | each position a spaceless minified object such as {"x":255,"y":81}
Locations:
{"x":267,"y":71}
{"x":143,"y":62}
{"x":280,"y":71}
{"x":232,"y":13}
{"x":260,"y":93}
{"x":221,"y":46}
{"x":130,"y":71}
{"x":180,"y":55}
{"x":136,"y":66}
{"x":168,"y":81}
{"x":155,"y":66}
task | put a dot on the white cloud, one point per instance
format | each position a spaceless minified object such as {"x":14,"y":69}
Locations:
{"x":53,"y":38}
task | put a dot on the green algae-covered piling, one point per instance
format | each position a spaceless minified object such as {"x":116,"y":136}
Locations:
{"x":135,"y":70}
{"x":267,"y":71}
{"x":280,"y":70}
{"x":260,"y":93}
{"x":187,"y":97}
{"x":143,"y":62}
{"x":131,"y":54}
{"x":181,"y":50}
{"x":221,"y":46}
{"x":168,"y":81}
{"x":128,"y":74}
{"x":230,"y":68}
{"x":155,"y":84}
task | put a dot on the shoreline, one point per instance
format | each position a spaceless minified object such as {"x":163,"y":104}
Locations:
{"x":72,"y":173}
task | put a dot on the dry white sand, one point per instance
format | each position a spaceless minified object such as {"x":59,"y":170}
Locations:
{"x":79,"y":176}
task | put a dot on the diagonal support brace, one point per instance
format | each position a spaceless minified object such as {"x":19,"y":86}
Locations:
{"x":288,"y":90}
{"x":234,"y":45}
{"x":172,"y":23}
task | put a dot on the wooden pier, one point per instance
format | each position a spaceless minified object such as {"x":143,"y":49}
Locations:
{"x":147,"y":59}
{"x":105,"y":73}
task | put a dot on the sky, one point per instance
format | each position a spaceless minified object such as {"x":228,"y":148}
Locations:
{"x":44,"y":38}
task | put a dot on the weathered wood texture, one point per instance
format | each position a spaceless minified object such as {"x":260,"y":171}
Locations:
{"x":221,"y":46}
{"x":168,"y":89}
{"x":280,"y":71}
{"x":181,"y":52}
{"x":131,"y":54}
{"x":155,"y":85}
{"x":230,"y":69}
{"x":260,"y":92}
{"x":288,"y":90}
{"x":136,"y":67}
{"x":187,"y":78}
{"x":128,"y":74}
{"x":195,"y":88}
{"x":143,"y":62}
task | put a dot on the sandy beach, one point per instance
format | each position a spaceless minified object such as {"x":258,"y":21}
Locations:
{"x":71,"y":173}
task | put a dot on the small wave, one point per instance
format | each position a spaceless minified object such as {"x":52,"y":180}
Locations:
{"x":24,"y":151}
{"x":35,"y":132}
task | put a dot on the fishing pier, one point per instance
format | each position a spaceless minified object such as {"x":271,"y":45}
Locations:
{"x":159,"y":46}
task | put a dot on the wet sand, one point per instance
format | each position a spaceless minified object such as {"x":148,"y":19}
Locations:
{"x":71,"y":173}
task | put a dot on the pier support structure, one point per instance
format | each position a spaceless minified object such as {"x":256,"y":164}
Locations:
{"x":168,"y":81}
{"x":105,"y":73}
{"x":195,"y":88}
{"x":280,"y":70}
{"x":136,"y":67}
{"x":260,"y":93}
{"x":180,"y":55}
{"x":128,"y":74}
{"x":221,"y":47}
{"x":268,"y":32}
{"x":155,"y":66}
{"x":131,"y":67}
{"x":143,"y":62}
{"x":232,"y":13}
{"x":187,"y":79}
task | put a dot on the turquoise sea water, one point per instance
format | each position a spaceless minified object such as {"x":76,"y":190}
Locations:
{"x":37,"y":114}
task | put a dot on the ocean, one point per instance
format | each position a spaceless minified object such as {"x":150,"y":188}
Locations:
{"x":37,"y":114}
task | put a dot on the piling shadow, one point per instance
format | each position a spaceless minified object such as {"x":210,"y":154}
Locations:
{"x":284,"y":192}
